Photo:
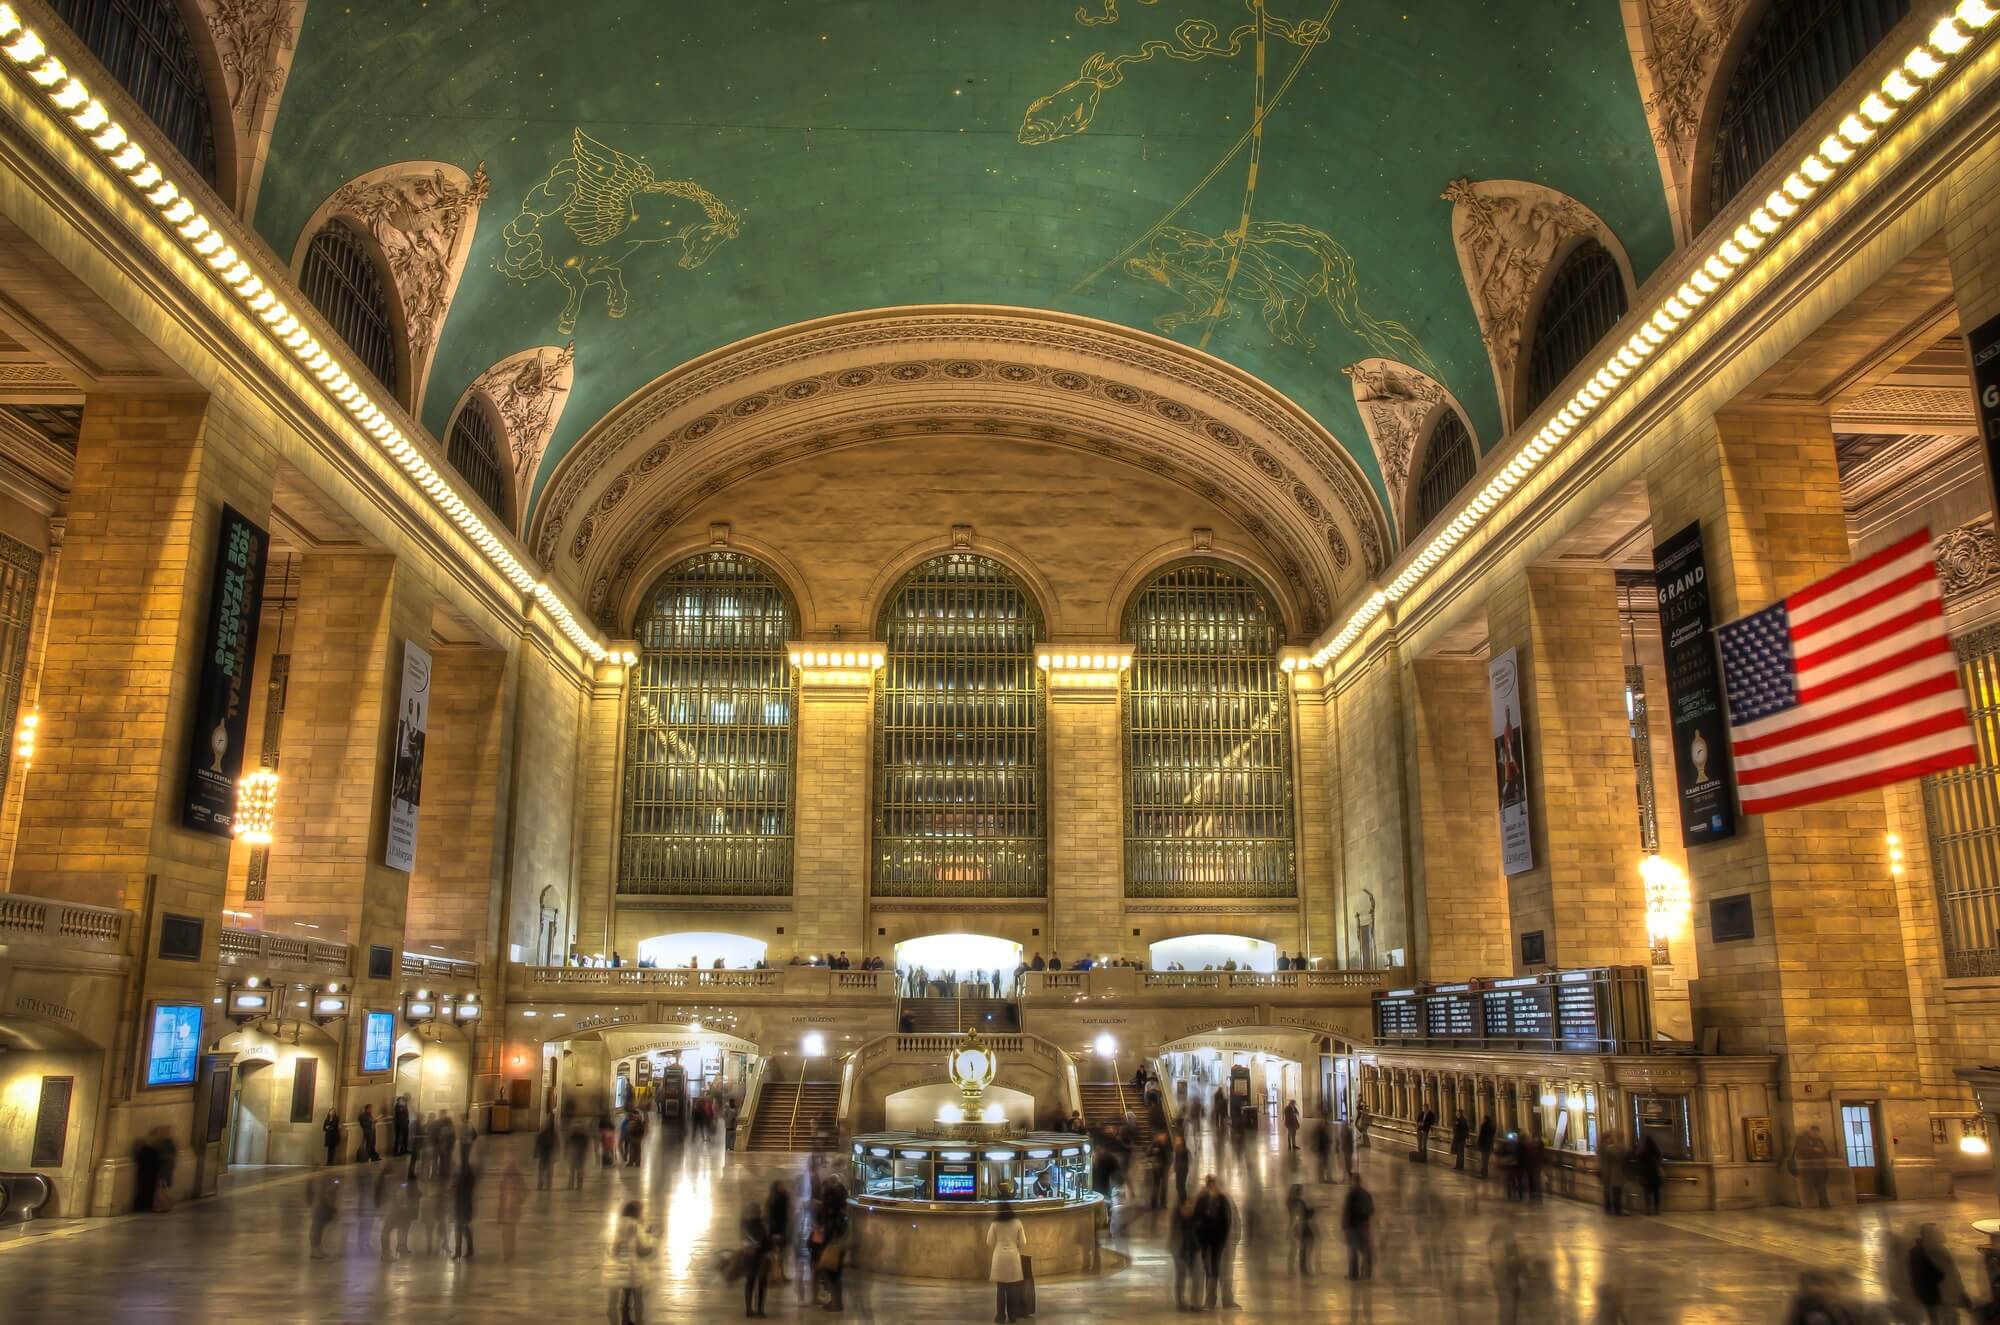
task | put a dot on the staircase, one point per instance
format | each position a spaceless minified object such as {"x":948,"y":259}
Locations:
{"x":792,"y":1114}
{"x":942,"y":1016}
{"x":1104,"y":1103}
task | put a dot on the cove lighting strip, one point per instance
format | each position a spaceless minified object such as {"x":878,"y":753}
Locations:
{"x":152,"y":181}
{"x":1836,"y":153}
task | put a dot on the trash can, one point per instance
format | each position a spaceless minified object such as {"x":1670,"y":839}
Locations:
{"x":500,"y":1117}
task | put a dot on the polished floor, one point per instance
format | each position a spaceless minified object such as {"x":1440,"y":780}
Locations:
{"x":243,"y":1257}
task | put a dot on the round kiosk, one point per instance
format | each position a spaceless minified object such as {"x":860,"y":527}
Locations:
{"x":922,"y":1201}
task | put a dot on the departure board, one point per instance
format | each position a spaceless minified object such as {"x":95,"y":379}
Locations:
{"x":1599,"y":1010}
{"x":1399,"y":1019}
{"x":1576,"y":1013}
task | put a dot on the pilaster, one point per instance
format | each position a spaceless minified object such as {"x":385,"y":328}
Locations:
{"x":830,"y":875}
{"x":1456,"y":883}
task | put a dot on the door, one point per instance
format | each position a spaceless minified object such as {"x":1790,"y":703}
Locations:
{"x":1860,"y":1131}
{"x":249,"y":1126}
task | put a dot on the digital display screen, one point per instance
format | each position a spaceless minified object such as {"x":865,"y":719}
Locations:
{"x":175,"y":1045}
{"x":378,"y":1042}
{"x":956,"y":1184}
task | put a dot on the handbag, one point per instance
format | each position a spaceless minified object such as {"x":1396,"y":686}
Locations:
{"x":1023,"y":1292}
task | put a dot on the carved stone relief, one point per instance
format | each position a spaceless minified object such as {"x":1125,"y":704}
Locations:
{"x":254,"y":43}
{"x":1507,"y":231}
{"x":1396,"y":403}
{"x":527,"y":391}
{"x":1677,"y":49}
{"x":422,"y":214}
{"x":1968,"y":559}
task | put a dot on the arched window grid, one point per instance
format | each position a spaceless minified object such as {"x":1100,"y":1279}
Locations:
{"x":1208,"y":739}
{"x":474,"y":449}
{"x":959,"y":735}
{"x":711,"y":734}
{"x":341,"y":279}
{"x":1584,"y":302}
{"x":145,"y":45}
{"x":1798,"y":54}
{"x":1450,"y":460}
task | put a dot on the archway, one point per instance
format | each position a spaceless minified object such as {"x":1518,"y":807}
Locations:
{"x":702,"y":948}
{"x":548,"y":932}
{"x":283,"y":1082}
{"x":434,"y":1069}
{"x":1200,"y":952}
{"x":944,"y":960}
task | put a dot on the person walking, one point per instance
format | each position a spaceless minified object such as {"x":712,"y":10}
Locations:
{"x":579,"y":1152}
{"x":1461,"y":1133}
{"x":545,"y":1154}
{"x":1007,"y":1240}
{"x":631,"y":1245}
{"x":1486,"y":1131}
{"x":1934,"y":1279}
{"x":778,"y":1219}
{"x":1211,"y":1230}
{"x":512,"y":1193}
{"x":330,"y":1129}
{"x":399,"y":1212}
{"x":1426,"y":1120}
{"x":1808,"y":1164}
{"x":1357,"y":1224}
{"x":1651,"y":1168}
{"x":145,"y":1174}
{"x":1322,"y":1146}
{"x":1611,"y":1161}
{"x":759,"y":1246}
{"x":399,"y":1126}
{"x":1291,"y":1124}
{"x":1186,"y":1249}
{"x":1346,"y":1151}
{"x":1304,"y":1233}
{"x":323,"y":1200}
{"x":443,"y":1137}
{"x":1183,"y":1159}
{"x":364,"y":1143}
{"x":416,"y":1148}
{"x":1362,"y":1120}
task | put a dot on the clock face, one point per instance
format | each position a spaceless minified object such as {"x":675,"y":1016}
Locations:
{"x":972,"y":1064}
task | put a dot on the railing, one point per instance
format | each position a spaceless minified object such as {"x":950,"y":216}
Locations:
{"x":442,"y":968}
{"x":753,"y":1094}
{"x":1181,"y":979}
{"x":1054,"y":980}
{"x":857,"y":979}
{"x":1110,"y":981}
{"x":648,"y":977}
{"x":70,"y":924}
{"x":255,"y":943}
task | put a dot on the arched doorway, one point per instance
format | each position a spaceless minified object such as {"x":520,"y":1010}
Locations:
{"x":284,"y":1079}
{"x":548,"y":931}
{"x":945,"y":961}
{"x":1203,"y":952}
{"x":434,"y":1069}
{"x":702,"y":948}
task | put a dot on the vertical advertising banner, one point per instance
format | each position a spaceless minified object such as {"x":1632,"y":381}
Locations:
{"x":406,"y":779}
{"x":1510,"y":763}
{"x":1983,"y":343}
{"x":1703,"y":773}
{"x":222,"y":701}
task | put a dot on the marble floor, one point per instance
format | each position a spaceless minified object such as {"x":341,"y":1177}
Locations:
{"x":242,"y":1257}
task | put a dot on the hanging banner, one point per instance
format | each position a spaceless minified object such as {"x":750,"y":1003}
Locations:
{"x":1703,"y":770}
{"x":1510,"y":763}
{"x":222,"y":700}
{"x":406,"y":780}
{"x":1983,"y":343}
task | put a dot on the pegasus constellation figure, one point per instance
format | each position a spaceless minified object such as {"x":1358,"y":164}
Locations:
{"x":599,"y":208}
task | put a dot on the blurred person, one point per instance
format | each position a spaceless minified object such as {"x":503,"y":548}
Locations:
{"x":415,"y":1148}
{"x":1185,"y":1247}
{"x":759,"y":1247}
{"x":631,"y":1244}
{"x":1486,"y":1133}
{"x":1461,"y":1134}
{"x":778,"y":1220}
{"x":1818,"y":1301}
{"x":330,"y":1130}
{"x":607,"y":1140}
{"x":1212,"y":1223}
{"x":1649,"y":1167}
{"x":444,"y":1136}
{"x":1362,"y":1120}
{"x":1611,"y":1161}
{"x":1357,"y":1220}
{"x":1347,"y":1144}
{"x":1509,"y":1271}
{"x":1610,"y":1308}
{"x":1933,"y":1278}
{"x":1183,"y":1158}
{"x":545,"y":1153}
{"x":1426,"y":1120}
{"x":1305,"y":1235}
{"x":1007,"y":1241}
{"x":364,"y":1141}
{"x":467,"y":1134}
{"x":323,"y":1200}
{"x":512,"y":1194}
{"x":578,"y":1146}
{"x":399,"y":1212}
{"x":1291,"y":1124}
{"x":1322,"y":1147}
{"x":399,"y":1126}
{"x":1809,"y":1162}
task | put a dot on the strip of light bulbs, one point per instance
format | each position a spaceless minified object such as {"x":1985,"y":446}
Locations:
{"x":152,"y":179}
{"x":1947,"y":40}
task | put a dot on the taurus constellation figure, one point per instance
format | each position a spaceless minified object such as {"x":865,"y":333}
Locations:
{"x":611,"y":206}
{"x":1069,"y":109}
{"x":1288,"y":267}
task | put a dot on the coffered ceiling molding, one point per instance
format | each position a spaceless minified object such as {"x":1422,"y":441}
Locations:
{"x":932,"y":370}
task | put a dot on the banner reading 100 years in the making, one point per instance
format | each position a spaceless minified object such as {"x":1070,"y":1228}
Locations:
{"x":229,"y":650}
{"x":406,"y":779}
{"x":1510,"y":763}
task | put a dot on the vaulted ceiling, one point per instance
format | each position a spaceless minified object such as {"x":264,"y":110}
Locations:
{"x":666,"y":180}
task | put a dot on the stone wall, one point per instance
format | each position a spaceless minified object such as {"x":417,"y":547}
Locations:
{"x":1456,"y":883}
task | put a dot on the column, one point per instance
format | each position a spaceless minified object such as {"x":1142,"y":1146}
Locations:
{"x":454,"y":890}
{"x":835,"y":799}
{"x":1321,"y":933}
{"x":1455,"y":879}
{"x":603,"y":817}
{"x":100,"y":818}
{"x":1584,"y":893}
{"x":549,"y":755}
{"x":1368,"y":704}
{"x":1821,"y":982}
{"x":1086,"y":818}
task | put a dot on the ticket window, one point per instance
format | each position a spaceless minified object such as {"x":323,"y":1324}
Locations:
{"x":1665,"y":1119}
{"x":1000,"y":1173}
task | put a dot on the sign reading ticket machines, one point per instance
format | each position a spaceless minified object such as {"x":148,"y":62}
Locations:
{"x":222,"y":703}
{"x":406,"y":780}
{"x":1702,"y":768}
{"x":1510,"y":763}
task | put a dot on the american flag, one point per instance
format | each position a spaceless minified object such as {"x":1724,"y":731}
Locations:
{"x":1848,"y":684}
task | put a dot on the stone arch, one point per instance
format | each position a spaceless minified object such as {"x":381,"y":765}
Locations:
{"x":507,"y":513}
{"x":1679,"y":48}
{"x":1151,"y":562}
{"x":870,"y":376}
{"x":789,"y":575}
{"x":1018,"y":564}
{"x":417,"y":219}
{"x":526,"y":391}
{"x":1512,"y":236}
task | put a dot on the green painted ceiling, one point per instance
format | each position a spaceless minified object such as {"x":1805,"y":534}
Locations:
{"x":896,"y":152}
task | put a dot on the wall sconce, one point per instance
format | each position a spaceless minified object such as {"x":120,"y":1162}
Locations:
{"x":257,"y":807}
{"x":24,"y":736}
{"x":329,"y":1003}
{"x":468,"y":1007}
{"x":1667,"y":901}
{"x":1895,"y":856}
{"x":420,"y":1009}
{"x":249,"y":1001}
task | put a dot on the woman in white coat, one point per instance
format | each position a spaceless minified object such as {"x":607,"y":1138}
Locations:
{"x":631,"y":1244}
{"x":1008,"y":1237}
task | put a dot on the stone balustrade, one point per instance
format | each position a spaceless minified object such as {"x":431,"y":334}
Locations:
{"x":241,"y":945}
{"x":26,"y":919}
{"x":439,"y":968}
{"x":582,"y":982}
{"x":1251,"y":986}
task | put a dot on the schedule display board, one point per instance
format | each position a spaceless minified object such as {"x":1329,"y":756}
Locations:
{"x":1602,"y":1009}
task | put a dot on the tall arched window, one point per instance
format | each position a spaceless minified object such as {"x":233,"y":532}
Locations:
{"x":1800,"y":51}
{"x":344,"y":284}
{"x":1449,"y":461}
{"x":474,"y":449}
{"x":709,"y":734}
{"x":1585,"y":301}
{"x":958,"y":791}
{"x":145,"y":46}
{"x":1208,"y":739}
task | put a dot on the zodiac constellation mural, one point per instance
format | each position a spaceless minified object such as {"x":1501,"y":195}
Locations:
{"x":610,"y":206}
{"x":1285,"y":268}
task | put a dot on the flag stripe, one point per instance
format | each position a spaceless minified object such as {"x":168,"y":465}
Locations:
{"x":1819,"y":791}
{"x":1757,"y":770}
{"x":1873,"y":688}
{"x":1822,"y":589}
{"x":1931,"y":686}
{"x":1848,"y":769}
{"x":1896,"y":616}
{"x":1938,"y":645}
{"x":1919,"y":577}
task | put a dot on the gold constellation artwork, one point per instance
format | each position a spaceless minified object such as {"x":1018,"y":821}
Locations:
{"x":597,"y":209}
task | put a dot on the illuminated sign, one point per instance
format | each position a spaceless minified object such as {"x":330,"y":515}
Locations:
{"x":378,"y":1042}
{"x":175,"y":1044}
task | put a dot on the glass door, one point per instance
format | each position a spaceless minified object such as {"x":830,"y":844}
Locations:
{"x":1858,"y":1131}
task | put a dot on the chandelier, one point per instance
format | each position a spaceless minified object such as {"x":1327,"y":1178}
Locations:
{"x":1667,"y":902}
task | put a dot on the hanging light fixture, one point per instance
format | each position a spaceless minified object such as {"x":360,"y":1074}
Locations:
{"x":257,"y":793}
{"x":1667,"y":902}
